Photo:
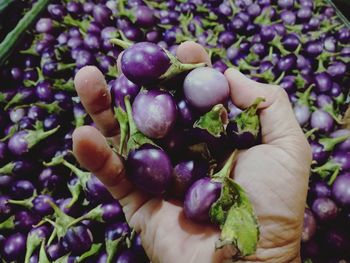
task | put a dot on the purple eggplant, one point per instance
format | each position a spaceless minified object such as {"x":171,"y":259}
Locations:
{"x":199,"y":198}
{"x":322,"y":120}
{"x":337,"y":240}
{"x":341,"y":189}
{"x":319,"y":189}
{"x":144,"y":107}
{"x":50,"y":179}
{"x":185,"y":173}
{"x":127,"y":256}
{"x":22,"y":220}
{"x":324,"y":209}
{"x":309,"y":226}
{"x":22,"y":141}
{"x":13,"y":248}
{"x":78,"y":239}
{"x":122,"y":87}
{"x":5,"y":207}
{"x":55,"y":251}
{"x":322,"y":148}
{"x":186,"y":114}
{"x":150,"y":169}
{"x":22,"y":189}
{"x":205,"y":87}
{"x":145,"y":17}
{"x":138,"y":249}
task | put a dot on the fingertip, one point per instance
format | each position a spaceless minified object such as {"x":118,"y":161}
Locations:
{"x":191,"y":52}
{"x":90,"y":147}
{"x":87,"y":75}
{"x":244,"y":91}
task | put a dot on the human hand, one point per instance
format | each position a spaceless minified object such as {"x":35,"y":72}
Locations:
{"x":274,"y":174}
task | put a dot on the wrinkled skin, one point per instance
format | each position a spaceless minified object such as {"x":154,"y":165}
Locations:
{"x":275,"y":174}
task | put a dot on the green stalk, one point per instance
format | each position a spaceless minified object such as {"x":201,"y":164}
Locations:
{"x":10,"y":41}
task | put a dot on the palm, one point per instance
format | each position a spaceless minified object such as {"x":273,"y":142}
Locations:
{"x":274,"y":193}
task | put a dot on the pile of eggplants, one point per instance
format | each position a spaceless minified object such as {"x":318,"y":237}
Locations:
{"x":177,"y":142}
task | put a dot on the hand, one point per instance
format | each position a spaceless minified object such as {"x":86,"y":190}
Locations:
{"x":275,"y":174}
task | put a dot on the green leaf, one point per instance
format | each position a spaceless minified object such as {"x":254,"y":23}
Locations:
{"x":213,"y":121}
{"x":95,"y":248}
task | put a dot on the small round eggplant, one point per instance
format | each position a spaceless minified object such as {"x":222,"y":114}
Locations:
{"x":324,"y":209}
{"x":341,"y":189}
{"x":154,"y":113}
{"x":78,"y":239}
{"x":205,"y":88}
{"x":199,"y":198}
{"x":150,"y":169}
{"x":13,"y":248}
{"x":122,"y":87}
{"x":309,"y":226}
{"x":185,"y":173}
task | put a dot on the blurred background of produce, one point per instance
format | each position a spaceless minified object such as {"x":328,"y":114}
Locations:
{"x":299,"y":44}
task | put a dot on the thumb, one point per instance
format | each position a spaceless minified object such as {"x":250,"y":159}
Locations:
{"x":278,"y":124}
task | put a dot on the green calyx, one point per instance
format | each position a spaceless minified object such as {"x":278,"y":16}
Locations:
{"x":330,"y":143}
{"x":52,"y":107}
{"x":327,"y":170}
{"x":176,"y":67}
{"x":35,"y":136}
{"x":94,"y":214}
{"x":83,"y":177}
{"x":7,"y":169}
{"x":68,"y":20}
{"x":42,"y":254}
{"x":304,"y":97}
{"x":113,"y":246}
{"x":213,"y":121}
{"x":27,"y":203}
{"x":14,"y":100}
{"x":33,"y":242}
{"x":95,"y":248}
{"x":68,"y":85}
{"x":8,"y":224}
{"x":248,"y":120}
